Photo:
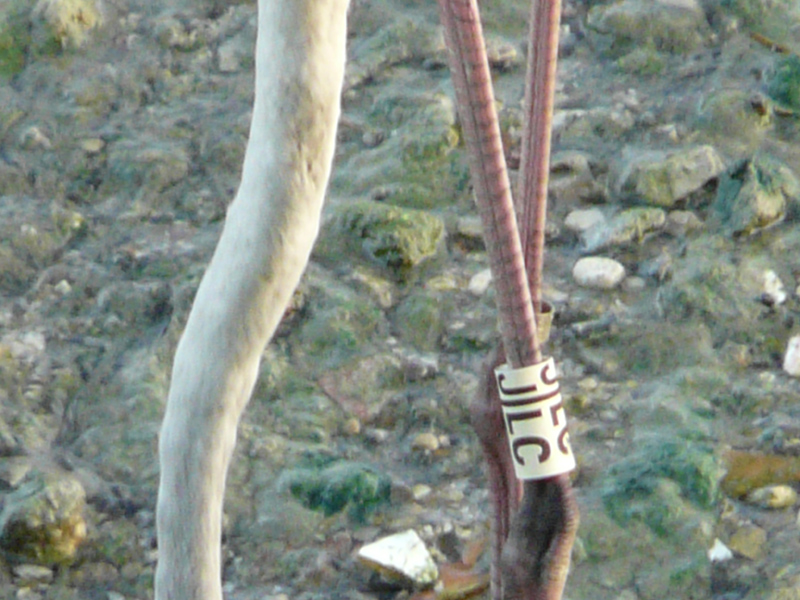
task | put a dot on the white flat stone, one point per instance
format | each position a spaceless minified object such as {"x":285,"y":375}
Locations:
{"x":402,"y":556}
{"x":479,"y":282}
{"x":773,"y":287}
{"x":773,"y":496}
{"x":791,"y":360}
{"x":598,"y":272}
{"x":582,"y":220}
{"x":719,"y":552}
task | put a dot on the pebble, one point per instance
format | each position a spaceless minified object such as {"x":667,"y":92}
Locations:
{"x":479,"y":283}
{"x":634,"y":284}
{"x":773,"y":496}
{"x":426,"y":441}
{"x":749,"y":541}
{"x":598,"y":272}
{"x":352,"y":426}
{"x":582,"y":220}
{"x":402,"y":557}
{"x":791,"y":360}
{"x":719,"y":552}
{"x":681,"y":222}
{"x":26,"y":573}
{"x":773,"y":291}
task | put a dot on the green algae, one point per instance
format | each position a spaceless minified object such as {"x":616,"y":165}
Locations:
{"x":357,"y":488}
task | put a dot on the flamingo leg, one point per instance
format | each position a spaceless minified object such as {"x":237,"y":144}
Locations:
{"x":531,"y":554}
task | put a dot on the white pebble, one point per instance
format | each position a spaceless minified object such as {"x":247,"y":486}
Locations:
{"x":773,"y":496}
{"x":479,"y":282}
{"x":719,"y":552}
{"x":579,"y":221}
{"x":404,"y":555}
{"x":598,"y":272}
{"x":791,"y":361}
{"x":773,"y":288}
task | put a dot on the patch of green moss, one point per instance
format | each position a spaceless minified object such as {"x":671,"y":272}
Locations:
{"x":15,"y":40}
{"x":398,"y":239}
{"x":339,"y":329}
{"x":772,"y":18}
{"x":418,"y":320}
{"x":661,"y":482}
{"x":643,"y":61}
{"x":784,"y":86}
{"x":661,"y":348}
{"x":355,"y":487}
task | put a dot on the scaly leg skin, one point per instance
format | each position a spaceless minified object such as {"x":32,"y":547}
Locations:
{"x":531,"y":553}
{"x":504,"y":488}
{"x":535,"y":550}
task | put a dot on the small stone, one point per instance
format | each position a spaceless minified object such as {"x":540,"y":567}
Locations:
{"x":749,"y":541}
{"x":352,"y":426}
{"x":773,"y":496}
{"x":376,"y":435}
{"x":791,"y":360}
{"x":719,"y":552}
{"x":92,"y":145}
{"x":33,"y":137}
{"x":634,"y":284}
{"x":579,"y":221}
{"x":27,"y":574}
{"x":598,"y":272}
{"x":773,"y":291}
{"x":426,"y":441}
{"x":402,"y":557}
{"x":63,"y":287}
{"x":479,"y":283}
{"x":421,"y":491}
{"x":681,"y":222}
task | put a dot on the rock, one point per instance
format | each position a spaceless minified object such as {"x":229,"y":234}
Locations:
{"x":580,"y":221}
{"x":69,"y":21}
{"x":664,"y":178}
{"x":418,"y":319}
{"x":31,"y":574}
{"x":571,"y":179}
{"x":402,"y":557}
{"x":681,"y":222}
{"x":598,"y":273}
{"x":749,"y":541}
{"x":754,"y":194}
{"x":43,"y":520}
{"x":732,"y":123}
{"x":676,"y":26}
{"x":719,"y":552}
{"x":748,"y":471}
{"x":400,"y":41}
{"x":579,"y":126}
{"x":398,"y":239}
{"x":502,"y":56}
{"x":773,"y":496}
{"x":425,"y":442}
{"x":468,"y":233}
{"x":791,"y":360}
{"x":774,"y":293}
{"x":630,"y":225}
{"x":145,"y":169}
{"x":235,"y":53}
{"x":480,"y":282}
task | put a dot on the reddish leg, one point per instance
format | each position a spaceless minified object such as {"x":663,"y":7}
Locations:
{"x":534,"y":548}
